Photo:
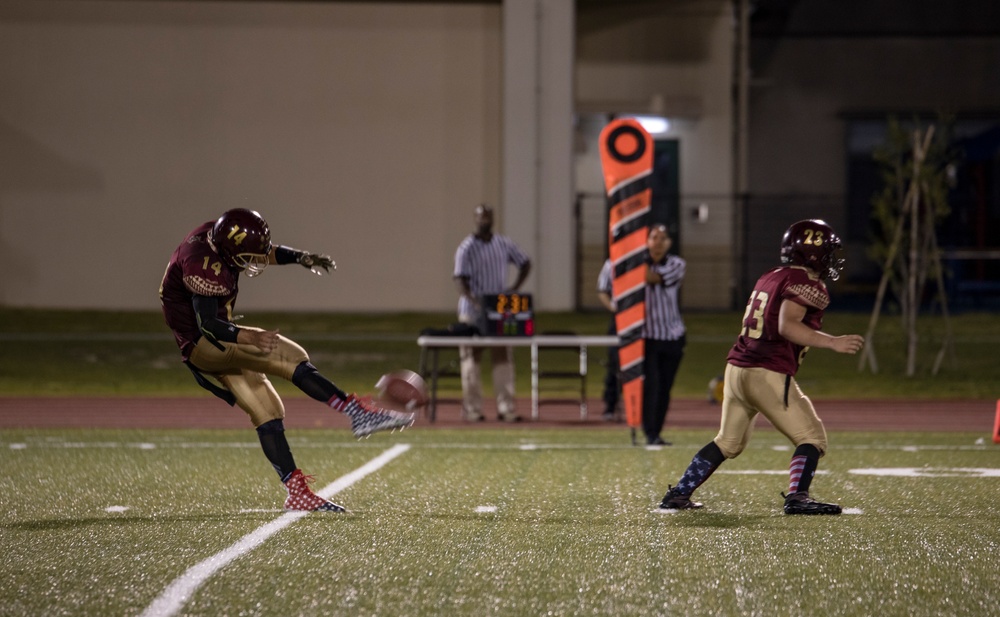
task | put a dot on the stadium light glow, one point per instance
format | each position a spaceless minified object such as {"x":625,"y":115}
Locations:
{"x":654,"y":125}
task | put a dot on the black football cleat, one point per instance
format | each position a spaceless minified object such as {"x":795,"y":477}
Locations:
{"x":673,"y":500}
{"x":800,"y":503}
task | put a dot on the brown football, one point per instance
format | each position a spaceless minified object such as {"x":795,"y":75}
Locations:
{"x":402,"y":389}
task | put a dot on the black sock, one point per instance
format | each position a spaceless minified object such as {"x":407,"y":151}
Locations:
{"x":309,"y":380}
{"x":702,"y":466}
{"x":272,"y":440}
{"x":803,"y":468}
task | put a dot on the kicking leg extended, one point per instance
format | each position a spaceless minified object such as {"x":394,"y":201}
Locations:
{"x":365,"y":417}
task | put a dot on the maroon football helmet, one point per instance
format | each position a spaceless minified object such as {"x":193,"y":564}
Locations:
{"x":243,"y":240}
{"x":813,"y":244}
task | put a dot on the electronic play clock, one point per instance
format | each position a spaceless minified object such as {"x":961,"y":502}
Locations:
{"x":507,"y":315}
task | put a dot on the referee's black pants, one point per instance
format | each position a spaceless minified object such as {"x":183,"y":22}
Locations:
{"x":663,"y":358}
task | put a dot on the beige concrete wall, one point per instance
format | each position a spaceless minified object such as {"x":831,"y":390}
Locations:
{"x":676,"y":60}
{"x":365,"y":130}
{"x":368,"y":131}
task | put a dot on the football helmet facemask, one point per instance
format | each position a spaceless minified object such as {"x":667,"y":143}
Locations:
{"x":242,"y":239}
{"x":814,"y":245}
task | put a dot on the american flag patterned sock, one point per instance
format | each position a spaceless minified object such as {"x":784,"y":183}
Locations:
{"x":801,"y":470}
{"x":337,"y":403}
{"x":795,"y":469}
{"x":695,"y":475}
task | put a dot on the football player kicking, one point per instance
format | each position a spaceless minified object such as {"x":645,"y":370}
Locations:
{"x":782,"y":321}
{"x":198,"y":295}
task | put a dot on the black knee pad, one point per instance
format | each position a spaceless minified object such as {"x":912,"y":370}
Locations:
{"x":302,"y":371}
{"x":274,"y":426}
{"x":308,"y":379}
{"x":808,"y":450}
{"x":712,"y":453}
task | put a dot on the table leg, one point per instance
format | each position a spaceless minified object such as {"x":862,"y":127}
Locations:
{"x":434,"y":384}
{"x":534,"y":381}
{"x":583,"y":382}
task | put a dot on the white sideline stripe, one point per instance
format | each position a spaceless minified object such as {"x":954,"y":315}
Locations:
{"x":178,"y":592}
{"x":301,"y":444}
{"x":764,"y":472}
{"x":676,"y":511}
{"x":930,"y":472}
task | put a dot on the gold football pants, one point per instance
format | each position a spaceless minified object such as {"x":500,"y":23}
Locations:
{"x":243,"y":370}
{"x":749,"y":391}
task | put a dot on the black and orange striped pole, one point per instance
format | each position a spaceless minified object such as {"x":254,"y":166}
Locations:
{"x":996,"y":425}
{"x":627,"y":162}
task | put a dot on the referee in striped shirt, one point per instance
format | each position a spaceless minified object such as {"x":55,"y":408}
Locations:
{"x":664,"y":331}
{"x":481,"y":263}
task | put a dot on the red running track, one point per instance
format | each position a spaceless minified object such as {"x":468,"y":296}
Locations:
{"x":209,"y":412}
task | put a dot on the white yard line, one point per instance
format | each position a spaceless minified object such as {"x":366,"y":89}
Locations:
{"x":524,"y":446}
{"x":173,"y":598}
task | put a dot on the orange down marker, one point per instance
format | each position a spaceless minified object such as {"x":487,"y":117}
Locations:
{"x":627,"y":163}
{"x":996,"y":425}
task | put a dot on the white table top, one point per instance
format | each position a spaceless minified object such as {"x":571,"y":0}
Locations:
{"x":542,"y":340}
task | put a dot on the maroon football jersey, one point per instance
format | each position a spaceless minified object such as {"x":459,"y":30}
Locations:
{"x":195,"y":268}
{"x":759,"y":343}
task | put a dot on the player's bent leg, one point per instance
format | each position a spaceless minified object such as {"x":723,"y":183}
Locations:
{"x":804,"y":429}
{"x":272,"y":440}
{"x":255,"y":395}
{"x":281,"y":362}
{"x":234,"y":357}
{"x":735,"y":428}
{"x":308,"y":379}
{"x":365,"y":417}
{"x":798,"y":421}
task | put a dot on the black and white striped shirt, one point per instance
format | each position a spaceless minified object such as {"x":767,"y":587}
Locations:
{"x":485,"y":265}
{"x":604,"y":281}
{"x":663,"y":315}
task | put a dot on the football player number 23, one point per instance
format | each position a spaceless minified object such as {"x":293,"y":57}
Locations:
{"x":813,"y":237}
{"x":753,"y":318}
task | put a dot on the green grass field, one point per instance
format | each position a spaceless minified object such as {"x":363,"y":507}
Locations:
{"x":94,"y":353}
{"x":499,"y":522}
{"x":484,"y":522}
